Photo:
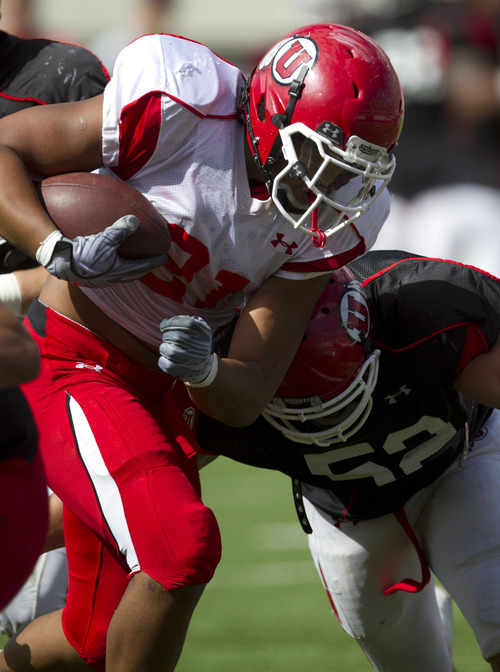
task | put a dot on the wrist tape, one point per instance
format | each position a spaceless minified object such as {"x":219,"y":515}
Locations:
{"x":207,"y":376}
{"x":46,"y":249}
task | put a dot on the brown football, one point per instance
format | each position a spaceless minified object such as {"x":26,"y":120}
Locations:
{"x":84,"y":203}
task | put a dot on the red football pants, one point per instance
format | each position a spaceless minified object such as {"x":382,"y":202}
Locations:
{"x":119,"y":460}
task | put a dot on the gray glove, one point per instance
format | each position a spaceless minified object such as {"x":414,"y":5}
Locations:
{"x":93,"y":261}
{"x":187,"y":351}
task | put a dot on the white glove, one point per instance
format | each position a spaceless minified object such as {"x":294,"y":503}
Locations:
{"x":187,"y":351}
{"x":93,"y":261}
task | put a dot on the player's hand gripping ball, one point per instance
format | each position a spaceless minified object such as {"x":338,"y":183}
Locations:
{"x":108,"y":232}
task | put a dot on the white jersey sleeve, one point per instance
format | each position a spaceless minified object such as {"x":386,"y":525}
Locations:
{"x":155,"y":79}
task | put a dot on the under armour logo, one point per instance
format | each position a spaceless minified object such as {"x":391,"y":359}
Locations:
{"x":190,"y":416}
{"x":280,"y":240}
{"x":332,"y":132}
{"x":94,"y":367}
{"x":393,"y":398}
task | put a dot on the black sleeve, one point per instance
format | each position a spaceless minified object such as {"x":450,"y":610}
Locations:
{"x":18,"y":432}
{"x":77,"y":73}
{"x":37,"y":72}
{"x":41,"y":72}
{"x":418,"y":300}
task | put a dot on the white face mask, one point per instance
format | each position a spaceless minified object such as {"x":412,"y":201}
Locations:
{"x":333,"y":421}
{"x":317,"y":172}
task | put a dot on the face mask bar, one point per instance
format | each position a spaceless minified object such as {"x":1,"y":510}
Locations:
{"x":285,"y":419}
{"x":372,"y":164}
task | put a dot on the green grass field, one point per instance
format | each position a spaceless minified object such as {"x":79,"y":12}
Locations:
{"x":265,"y":609}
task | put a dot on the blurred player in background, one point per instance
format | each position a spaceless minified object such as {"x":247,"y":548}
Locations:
{"x":385,"y":423}
{"x":267,"y":187}
{"x":23,"y":493}
{"x":18,"y":17}
{"x":33,"y":72}
{"x":46,"y":587}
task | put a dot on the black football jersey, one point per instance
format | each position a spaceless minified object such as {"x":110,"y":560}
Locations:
{"x":429,"y":319}
{"x":38,"y":72}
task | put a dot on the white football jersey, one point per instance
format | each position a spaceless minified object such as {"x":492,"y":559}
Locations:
{"x":170,"y":129}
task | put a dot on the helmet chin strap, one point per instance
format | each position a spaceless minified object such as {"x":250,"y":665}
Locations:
{"x":285,"y":119}
{"x":289,"y":203}
{"x":279,"y":120}
{"x":319,"y":236}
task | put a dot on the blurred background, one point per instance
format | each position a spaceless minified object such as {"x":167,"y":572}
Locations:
{"x":446,"y":203}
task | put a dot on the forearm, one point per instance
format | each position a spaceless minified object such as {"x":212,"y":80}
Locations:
{"x":480,"y":379}
{"x":240,"y":391}
{"x":55,"y":534}
{"x":264,"y":342}
{"x":19,"y":288}
{"x":23,"y":222}
{"x":45,"y":140}
{"x":31,"y":281}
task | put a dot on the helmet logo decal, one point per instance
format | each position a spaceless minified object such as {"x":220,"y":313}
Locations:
{"x":190,"y":416}
{"x":290,"y":56}
{"x":331,"y":132}
{"x":354,"y":313}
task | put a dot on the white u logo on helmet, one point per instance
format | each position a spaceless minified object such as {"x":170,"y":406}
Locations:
{"x":291,"y":56}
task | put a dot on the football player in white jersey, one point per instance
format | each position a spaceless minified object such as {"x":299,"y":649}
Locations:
{"x":267,"y":187}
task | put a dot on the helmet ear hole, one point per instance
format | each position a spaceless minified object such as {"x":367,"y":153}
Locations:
{"x":261,"y":108}
{"x":278,"y":120}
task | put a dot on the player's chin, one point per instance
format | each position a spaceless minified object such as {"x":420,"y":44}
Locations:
{"x":294,"y":202}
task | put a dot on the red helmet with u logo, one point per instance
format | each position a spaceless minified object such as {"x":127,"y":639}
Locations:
{"x":326,"y":394}
{"x":324,"y":106}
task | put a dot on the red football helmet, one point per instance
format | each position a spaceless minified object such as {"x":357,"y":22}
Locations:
{"x":324,"y":106}
{"x":325,"y":396}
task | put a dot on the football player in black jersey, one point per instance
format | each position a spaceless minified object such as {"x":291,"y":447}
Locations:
{"x":33,"y":72}
{"x":384,"y":421}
